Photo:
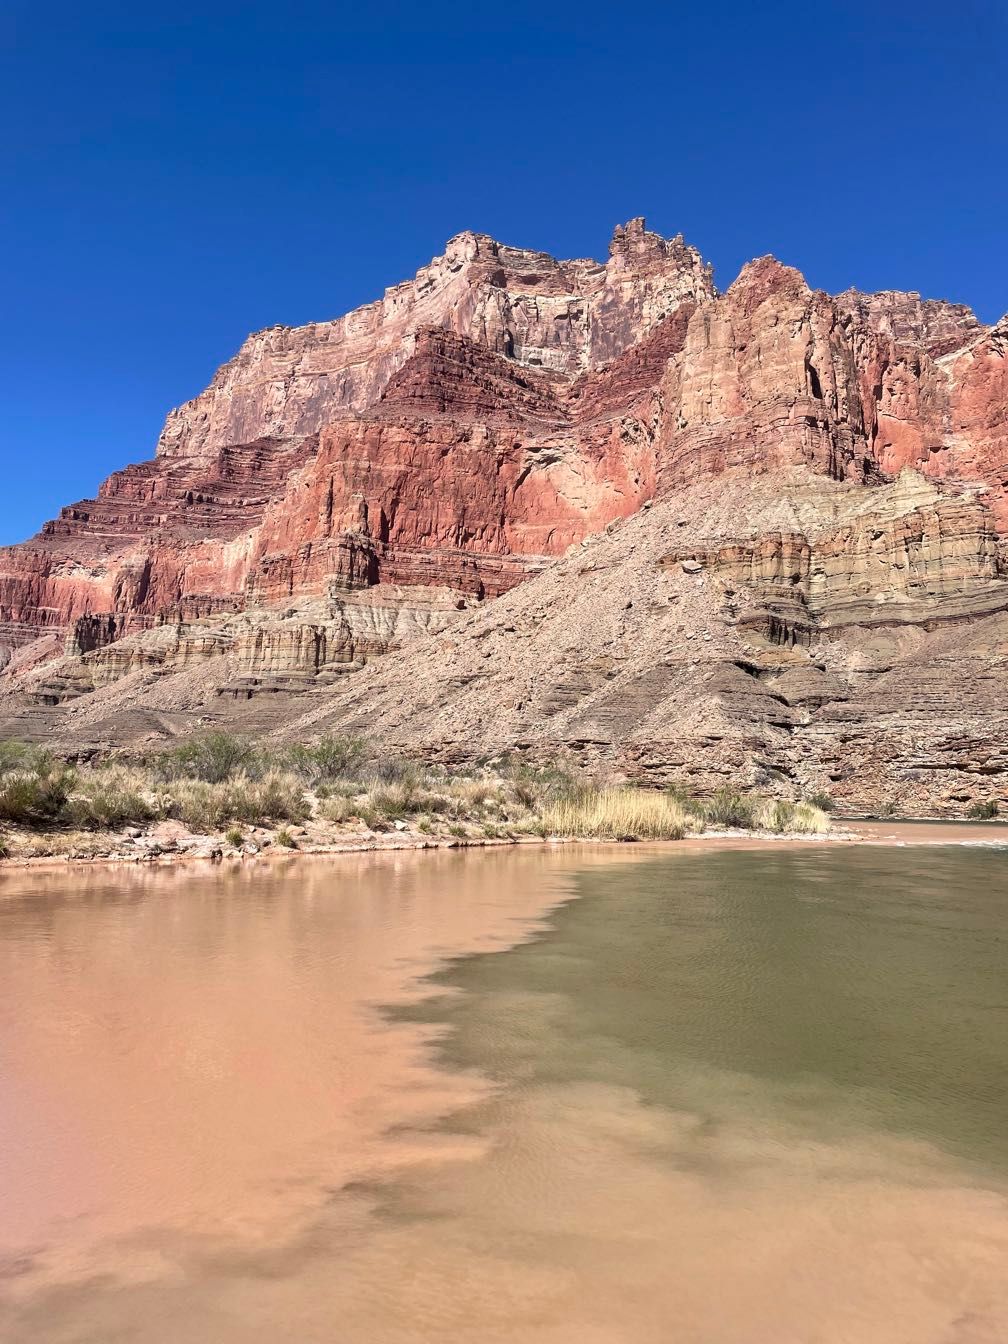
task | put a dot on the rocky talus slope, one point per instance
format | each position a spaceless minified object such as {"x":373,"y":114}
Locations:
{"x":604,"y":509}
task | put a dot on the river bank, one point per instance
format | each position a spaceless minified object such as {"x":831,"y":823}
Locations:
{"x":220,"y":796}
{"x":156,"y":850}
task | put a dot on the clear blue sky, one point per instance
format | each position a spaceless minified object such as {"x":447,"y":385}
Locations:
{"x":175,"y":177}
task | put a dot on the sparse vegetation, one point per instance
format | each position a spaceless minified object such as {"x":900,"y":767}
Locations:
{"x":34,"y":797}
{"x":730,"y":808}
{"x":277,"y":796}
{"x":985,"y":810}
{"x":220,"y":784}
{"x":107,"y":800}
{"x":619,"y":814}
{"x":328,"y":760}
{"x":214,"y":758}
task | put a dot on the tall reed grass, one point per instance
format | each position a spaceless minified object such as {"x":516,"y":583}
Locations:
{"x":618,"y":814}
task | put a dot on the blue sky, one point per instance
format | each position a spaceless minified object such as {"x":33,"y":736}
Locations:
{"x":175,"y":177}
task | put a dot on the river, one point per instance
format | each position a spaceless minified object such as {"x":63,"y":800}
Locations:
{"x":708,"y":1093}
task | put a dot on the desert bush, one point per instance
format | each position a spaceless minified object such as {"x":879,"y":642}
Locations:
{"x":31,"y":798}
{"x":728,"y":807}
{"x":329,"y":759}
{"x":808,"y":819}
{"x":986,"y":810}
{"x":821,"y":800}
{"x":103,"y":800}
{"x":618,"y":814}
{"x":204,"y":806}
{"x":396,"y":770}
{"x":25,"y":756}
{"x":785,"y":818}
{"x":284,"y":837}
{"x":774,"y":816}
{"x":373,"y":818}
{"x":4,"y":848}
{"x":235,"y":836}
{"x":214,"y":759}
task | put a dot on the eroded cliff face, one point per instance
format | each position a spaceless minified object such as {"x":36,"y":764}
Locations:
{"x":565,"y":316}
{"x":397,"y":444}
{"x":350,"y":487}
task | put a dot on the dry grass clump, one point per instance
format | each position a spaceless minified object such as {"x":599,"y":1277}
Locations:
{"x":791,"y":818}
{"x":31,"y":799}
{"x":618,"y":814}
{"x":986,"y":810}
{"x":278,"y":796}
{"x":110,"y":798}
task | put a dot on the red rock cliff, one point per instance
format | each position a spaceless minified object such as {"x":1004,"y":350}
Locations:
{"x":492,"y":411}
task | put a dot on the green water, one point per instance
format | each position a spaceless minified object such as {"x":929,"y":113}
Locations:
{"x":833,"y":990}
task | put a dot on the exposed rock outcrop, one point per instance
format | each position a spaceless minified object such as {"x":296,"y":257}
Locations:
{"x":746,"y":529}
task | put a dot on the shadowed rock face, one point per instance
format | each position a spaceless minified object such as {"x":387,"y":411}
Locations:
{"x":348,"y":486}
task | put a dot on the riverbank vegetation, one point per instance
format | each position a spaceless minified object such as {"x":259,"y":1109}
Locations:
{"x":236,"y":795}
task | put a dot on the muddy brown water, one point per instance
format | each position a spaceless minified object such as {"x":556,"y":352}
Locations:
{"x":716,"y":1094}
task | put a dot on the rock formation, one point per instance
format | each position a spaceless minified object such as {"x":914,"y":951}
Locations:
{"x":803,"y":499}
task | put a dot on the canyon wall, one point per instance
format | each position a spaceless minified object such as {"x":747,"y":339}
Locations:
{"x":347,"y":487}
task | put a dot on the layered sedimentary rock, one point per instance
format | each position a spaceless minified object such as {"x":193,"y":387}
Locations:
{"x":485,"y":334}
{"x":566,"y":316}
{"x":350,"y":487}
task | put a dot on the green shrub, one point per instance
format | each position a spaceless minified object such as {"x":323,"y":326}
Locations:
{"x":728,"y":807}
{"x":329,"y":759}
{"x":986,"y":810}
{"x":26,"y":757}
{"x":214,"y":759}
{"x":235,"y":836}
{"x":4,"y":848}
{"x":284,"y":837}
{"x":821,"y":800}
{"x":30,"y":799}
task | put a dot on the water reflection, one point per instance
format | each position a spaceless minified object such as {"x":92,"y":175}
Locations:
{"x":723,"y":1096}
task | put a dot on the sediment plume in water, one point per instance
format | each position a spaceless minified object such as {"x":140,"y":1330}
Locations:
{"x":235,"y":1110}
